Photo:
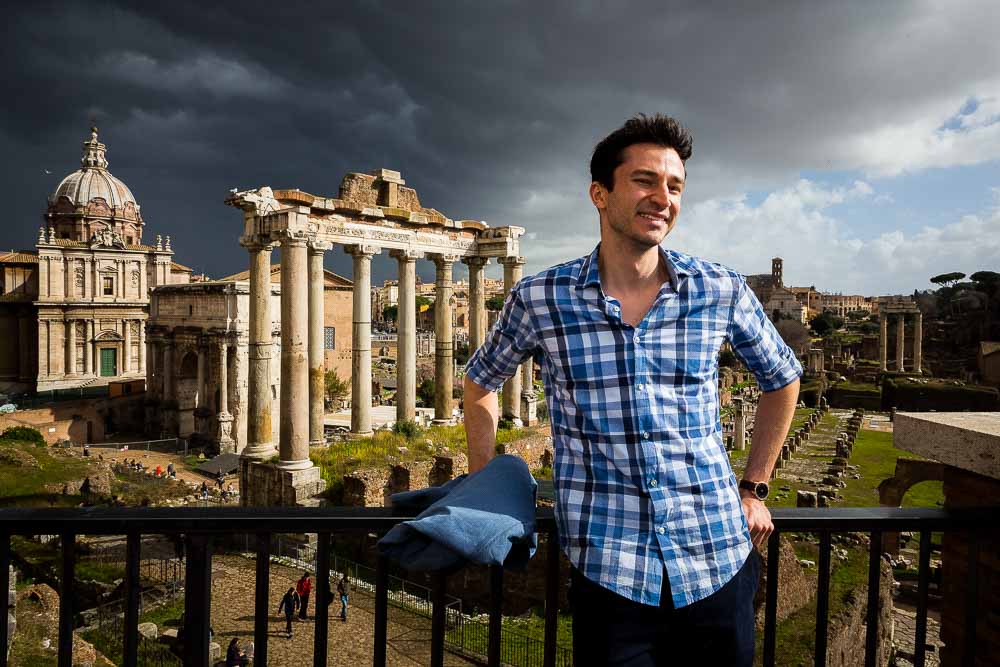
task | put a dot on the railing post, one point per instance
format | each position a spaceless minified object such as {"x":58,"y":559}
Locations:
{"x":771,"y":598}
{"x":261,"y":604}
{"x":381,"y":609}
{"x":971,"y":600}
{"x":551,"y":599}
{"x":437,"y":619}
{"x":496,"y":616}
{"x":822,"y":598}
{"x":874,"y":574}
{"x":4,"y":588}
{"x":66,"y":600}
{"x":197,"y":600}
{"x":132,"y":546}
{"x":322,"y":613}
{"x":924,"y":575}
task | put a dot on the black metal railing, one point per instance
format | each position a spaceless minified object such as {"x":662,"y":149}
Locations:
{"x":200,"y":525}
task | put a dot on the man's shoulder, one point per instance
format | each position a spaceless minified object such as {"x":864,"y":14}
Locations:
{"x":550,"y":282}
{"x":704,"y":269}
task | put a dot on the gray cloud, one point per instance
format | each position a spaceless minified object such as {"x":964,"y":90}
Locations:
{"x":490,"y":110}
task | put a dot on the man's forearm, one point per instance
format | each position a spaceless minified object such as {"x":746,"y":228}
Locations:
{"x":774,"y":415}
{"x":482,"y":413}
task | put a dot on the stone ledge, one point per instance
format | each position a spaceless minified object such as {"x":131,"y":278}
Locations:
{"x":966,"y":440}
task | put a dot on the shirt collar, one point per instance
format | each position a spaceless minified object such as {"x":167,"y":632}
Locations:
{"x":678,"y":265}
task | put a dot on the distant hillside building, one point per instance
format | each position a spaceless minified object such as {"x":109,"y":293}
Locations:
{"x":73,"y":311}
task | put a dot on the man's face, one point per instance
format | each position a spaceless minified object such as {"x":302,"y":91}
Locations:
{"x":646,"y":200}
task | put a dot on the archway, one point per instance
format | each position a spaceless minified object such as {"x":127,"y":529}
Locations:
{"x":891,"y":491}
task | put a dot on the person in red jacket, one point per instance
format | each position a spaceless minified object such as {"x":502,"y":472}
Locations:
{"x":303,"y":587}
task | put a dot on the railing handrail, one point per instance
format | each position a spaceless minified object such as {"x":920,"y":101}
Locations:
{"x":122,"y":520}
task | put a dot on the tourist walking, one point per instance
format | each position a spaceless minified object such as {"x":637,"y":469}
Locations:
{"x":289,"y":603}
{"x":303,"y":587}
{"x":344,"y":591}
{"x":234,"y":656}
{"x":659,"y":533}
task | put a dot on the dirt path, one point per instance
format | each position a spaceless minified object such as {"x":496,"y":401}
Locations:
{"x":350,"y":644}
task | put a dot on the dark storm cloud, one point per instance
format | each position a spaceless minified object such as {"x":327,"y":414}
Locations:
{"x":490,"y":110}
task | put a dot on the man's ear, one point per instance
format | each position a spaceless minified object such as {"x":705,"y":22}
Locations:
{"x":598,"y":195}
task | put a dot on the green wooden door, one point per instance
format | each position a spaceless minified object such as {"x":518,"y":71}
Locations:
{"x":109,"y":362}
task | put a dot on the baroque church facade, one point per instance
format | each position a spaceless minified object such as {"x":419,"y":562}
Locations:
{"x":73,"y":312}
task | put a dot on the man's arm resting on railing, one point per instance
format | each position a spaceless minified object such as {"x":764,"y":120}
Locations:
{"x":482,"y":413}
{"x":774,"y":415}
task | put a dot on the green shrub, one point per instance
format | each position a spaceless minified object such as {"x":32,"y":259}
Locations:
{"x":407,"y":428}
{"x":24,"y":434}
{"x":903,"y":394}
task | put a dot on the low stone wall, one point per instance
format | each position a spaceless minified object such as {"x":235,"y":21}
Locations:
{"x":81,"y":421}
{"x":847,"y":630}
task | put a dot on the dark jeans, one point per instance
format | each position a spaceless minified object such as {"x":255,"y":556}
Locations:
{"x":609,"y":629}
{"x":303,"y":605}
{"x":288,"y":623}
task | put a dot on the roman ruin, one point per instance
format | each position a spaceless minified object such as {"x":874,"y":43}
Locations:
{"x":372,"y":212}
{"x":899,"y":307}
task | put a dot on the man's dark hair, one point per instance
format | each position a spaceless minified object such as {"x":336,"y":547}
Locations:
{"x":641,"y":129}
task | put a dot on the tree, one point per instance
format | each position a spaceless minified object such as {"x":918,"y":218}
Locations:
{"x":425,"y":392}
{"x":336,"y":388}
{"x":423,"y":301}
{"x":946,"y":279}
{"x":986,"y":281}
{"x":795,"y":335}
{"x":494,"y":303}
{"x":389,"y":313}
{"x":825,"y":323}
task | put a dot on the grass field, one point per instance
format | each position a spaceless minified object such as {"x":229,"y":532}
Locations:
{"x":24,"y":485}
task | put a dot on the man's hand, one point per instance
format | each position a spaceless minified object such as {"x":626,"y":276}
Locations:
{"x":758,"y":518}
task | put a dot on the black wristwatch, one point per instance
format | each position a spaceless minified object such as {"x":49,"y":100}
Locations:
{"x":759,"y":489}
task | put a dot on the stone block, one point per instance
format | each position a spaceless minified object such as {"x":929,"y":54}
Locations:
{"x":966,"y":440}
{"x":823,"y":501}
{"x":147,"y":630}
{"x":805,"y":499}
{"x":214,"y":652}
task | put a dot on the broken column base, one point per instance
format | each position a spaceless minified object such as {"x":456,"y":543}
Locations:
{"x":267,"y":485}
{"x":529,"y":409}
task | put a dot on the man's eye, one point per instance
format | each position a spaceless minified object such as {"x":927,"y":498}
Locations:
{"x":644,"y":181}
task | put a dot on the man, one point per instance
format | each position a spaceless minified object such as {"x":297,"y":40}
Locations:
{"x":303,"y":587}
{"x":289,"y":603}
{"x":649,"y":512}
{"x":344,"y":591}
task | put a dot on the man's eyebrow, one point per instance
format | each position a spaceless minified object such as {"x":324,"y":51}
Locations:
{"x":656,"y":174}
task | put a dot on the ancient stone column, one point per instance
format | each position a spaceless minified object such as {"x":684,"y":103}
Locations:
{"x":918,"y":349}
{"x":224,"y":418}
{"x":260,"y":443}
{"x":900,"y":341}
{"x":511,"y":409}
{"x":168,"y":370}
{"x":443,"y":347}
{"x":529,"y":409}
{"x":142,"y":347}
{"x":127,"y":348}
{"x":739,"y":425}
{"x":361,"y":337}
{"x":477,"y":301}
{"x":199,"y":399}
{"x":70,"y":347}
{"x":406,"y":327}
{"x":293,"y":445}
{"x":883,"y":339}
{"x":317,"y":384}
{"x":88,"y":349}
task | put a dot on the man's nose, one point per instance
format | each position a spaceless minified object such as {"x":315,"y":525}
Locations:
{"x":661,"y":197}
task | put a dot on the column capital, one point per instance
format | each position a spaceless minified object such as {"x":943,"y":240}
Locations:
{"x":475,"y":261}
{"x":292,"y":239}
{"x":255,"y":243}
{"x":362,"y":249}
{"x":442,"y":258}
{"x":317,"y":247}
{"x":511,"y":261}
{"x":406,"y":255}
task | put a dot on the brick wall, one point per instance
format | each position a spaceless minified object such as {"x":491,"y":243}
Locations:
{"x":966,"y":489}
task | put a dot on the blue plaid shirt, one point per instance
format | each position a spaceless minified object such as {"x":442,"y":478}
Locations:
{"x":642,"y":479}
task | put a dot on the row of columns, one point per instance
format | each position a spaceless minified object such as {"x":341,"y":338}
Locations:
{"x":901,"y":341}
{"x":89,"y":344}
{"x":302,"y":367}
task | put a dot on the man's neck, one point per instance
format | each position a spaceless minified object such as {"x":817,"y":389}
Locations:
{"x":627,"y":269}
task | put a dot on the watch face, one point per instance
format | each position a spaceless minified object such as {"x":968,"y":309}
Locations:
{"x":760,"y":490}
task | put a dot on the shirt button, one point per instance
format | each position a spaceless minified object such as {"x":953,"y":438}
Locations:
{"x":661,"y":530}
{"x":636,"y":339}
{"x":652,"y":483}
{"x":640,"y":387}
{"x":645,"y":435}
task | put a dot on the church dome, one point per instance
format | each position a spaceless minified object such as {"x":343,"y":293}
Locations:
{"x":93,"y":182}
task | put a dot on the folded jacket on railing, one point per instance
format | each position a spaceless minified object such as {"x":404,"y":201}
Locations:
{"x":486,"y":518}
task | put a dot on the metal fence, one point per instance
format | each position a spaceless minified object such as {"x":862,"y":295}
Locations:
{"x":177,"y":446}
{"x":200,"y":526}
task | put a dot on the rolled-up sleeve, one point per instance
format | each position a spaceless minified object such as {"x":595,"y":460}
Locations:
{"x":509,"y":344}
{"x":758,"y":343}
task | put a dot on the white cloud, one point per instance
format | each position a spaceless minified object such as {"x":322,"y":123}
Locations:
{"x":795,"y":223}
